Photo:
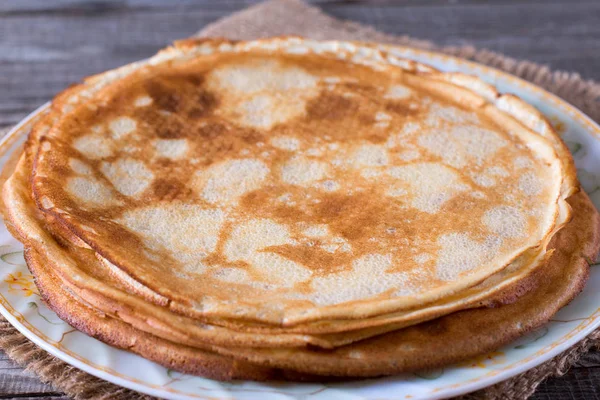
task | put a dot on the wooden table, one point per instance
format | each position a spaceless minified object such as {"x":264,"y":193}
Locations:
{"x":46,"y":45}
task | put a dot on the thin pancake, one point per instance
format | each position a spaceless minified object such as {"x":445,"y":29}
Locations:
{"x":232,"y":229}
{"x":123,"y":306}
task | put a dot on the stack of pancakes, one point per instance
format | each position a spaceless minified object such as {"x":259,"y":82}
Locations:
{"x":295,"y":209}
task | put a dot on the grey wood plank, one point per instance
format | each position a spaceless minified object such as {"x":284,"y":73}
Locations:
{"x":577,"y":384}
{"x":564,"y":35}
{"x":37,"y":396}
{"x":30,"y":6}
{"x":15,"y":381}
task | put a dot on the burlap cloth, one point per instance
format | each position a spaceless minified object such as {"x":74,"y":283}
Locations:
{"x":292,"y":17}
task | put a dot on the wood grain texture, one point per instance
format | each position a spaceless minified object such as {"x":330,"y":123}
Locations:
{"x":578,"y":384}
{"x":46,"y":45}
{"x":15,"y":381}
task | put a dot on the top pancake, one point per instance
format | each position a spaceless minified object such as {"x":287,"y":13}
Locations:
{"x":287,"y":180}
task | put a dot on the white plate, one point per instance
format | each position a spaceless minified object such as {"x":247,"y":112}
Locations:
{"x":22,"y":306}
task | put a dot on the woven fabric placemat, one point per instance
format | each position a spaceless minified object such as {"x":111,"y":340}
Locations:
{"x":292,"y":17}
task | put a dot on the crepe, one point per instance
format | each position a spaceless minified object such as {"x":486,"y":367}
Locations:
{"x":262,"y":181}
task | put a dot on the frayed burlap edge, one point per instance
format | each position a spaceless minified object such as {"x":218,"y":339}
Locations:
{"x":292,"y":17}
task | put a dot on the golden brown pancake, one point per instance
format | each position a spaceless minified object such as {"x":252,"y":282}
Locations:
{"x":385,"y":323}
{"x":245,"y":180}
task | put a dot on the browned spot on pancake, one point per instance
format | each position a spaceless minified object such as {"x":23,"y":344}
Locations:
{"x":402,"y":109}
{"x":167,"y":189}
{"x":353,"y":216}
{"x":224,"y":141}
{"x":205,"y":102}
{"x":260,"y":202}
{"x":361,"y":88}
{"x":252,"y":198}
{"x":211,"y":131}
{"x":167,"y":128}
{"x":366,"y":120}
{"x":310,"y":256}
{"x":378,"y":137}
{"x":252,"y":136}
{"x":330,"y":106}
{"x":167,"y":91}
{"x":229,"y":134}
{"x":164,"y":98}
{"x":182,"y":94}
